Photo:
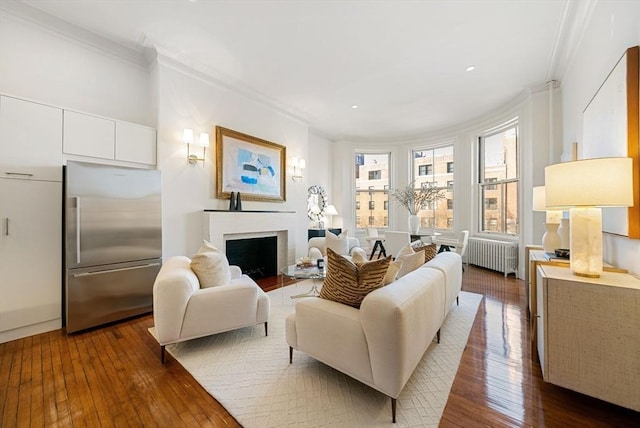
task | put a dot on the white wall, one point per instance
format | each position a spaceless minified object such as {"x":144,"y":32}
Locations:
{"x":57,"y":69}
{"x":186,"y":100}
{"x":613,"y":28}
{"x":62,"y":69}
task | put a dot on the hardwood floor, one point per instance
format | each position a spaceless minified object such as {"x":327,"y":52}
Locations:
{"x":112,"y":376}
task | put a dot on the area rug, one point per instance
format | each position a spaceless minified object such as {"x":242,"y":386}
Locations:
{"x":250,"y":375}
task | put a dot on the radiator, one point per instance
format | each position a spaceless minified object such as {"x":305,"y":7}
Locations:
{"x":496,"y":255}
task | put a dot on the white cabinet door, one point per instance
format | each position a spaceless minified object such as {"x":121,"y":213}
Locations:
{"x":30,"y":257}
{"x":30,"y":140}
{"x":135,"y":143}
{"x":88,"y":135}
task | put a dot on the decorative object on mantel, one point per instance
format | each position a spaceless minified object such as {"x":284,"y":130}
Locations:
{"x":250,"y":165}
{"x":232,"y":201}
{"x":415,"y":199}
{"x":238,"y":202}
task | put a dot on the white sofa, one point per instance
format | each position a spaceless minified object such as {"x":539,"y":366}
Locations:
{"x":380,"y":344}
{"x":183,"y":311}
{"x":318,"y":248}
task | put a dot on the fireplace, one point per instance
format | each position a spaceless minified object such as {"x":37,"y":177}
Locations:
{"x":257,"y":257}
{"x":221,"y":226}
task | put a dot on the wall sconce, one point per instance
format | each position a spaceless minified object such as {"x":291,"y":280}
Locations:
{"x":584,"y":186}
{"x":298,"y":166}
{"x":187,"y":137}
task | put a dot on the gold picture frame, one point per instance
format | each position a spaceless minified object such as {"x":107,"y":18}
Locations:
{"x":249,"y":165}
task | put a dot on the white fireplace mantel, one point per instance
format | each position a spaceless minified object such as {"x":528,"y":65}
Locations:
{"x":220,"y":226}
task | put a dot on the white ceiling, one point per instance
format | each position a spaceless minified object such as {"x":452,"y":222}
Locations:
{"x":402,"y":62}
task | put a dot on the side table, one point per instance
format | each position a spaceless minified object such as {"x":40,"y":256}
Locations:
{"x":302,"y":272}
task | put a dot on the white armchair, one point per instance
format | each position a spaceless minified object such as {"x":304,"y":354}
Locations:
{"x":183,"y":311}
{"x":318,"y":248}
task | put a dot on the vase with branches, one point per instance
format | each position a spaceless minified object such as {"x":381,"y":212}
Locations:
{"x":415,"y":198}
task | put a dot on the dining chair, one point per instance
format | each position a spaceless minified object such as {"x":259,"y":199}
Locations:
{"x":394,"y":241}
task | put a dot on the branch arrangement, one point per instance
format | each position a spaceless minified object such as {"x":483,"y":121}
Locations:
{"x":414,"y":199}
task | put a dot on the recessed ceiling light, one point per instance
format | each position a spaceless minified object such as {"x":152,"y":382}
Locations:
{"x":471,"y":68}
{"x":354,"y":106}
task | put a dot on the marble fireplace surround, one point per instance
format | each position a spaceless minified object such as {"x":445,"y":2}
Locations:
{"x":220,"y":226}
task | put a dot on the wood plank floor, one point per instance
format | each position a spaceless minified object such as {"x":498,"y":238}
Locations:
{"x":112,"y":376}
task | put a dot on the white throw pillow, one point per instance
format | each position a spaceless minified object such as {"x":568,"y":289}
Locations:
{"x":211,"y":268}
{"x":206,"y":247}
{"x":338,"y":244}
{"x":410,"y":260}
{"x":392,"y":271}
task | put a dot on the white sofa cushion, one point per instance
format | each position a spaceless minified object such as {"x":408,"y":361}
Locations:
{"x":338,"y":243}
{"x":410,"y":259}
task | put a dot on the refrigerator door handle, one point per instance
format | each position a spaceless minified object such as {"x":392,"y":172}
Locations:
{"x":100,"y":272}
{"x":78,"y":229}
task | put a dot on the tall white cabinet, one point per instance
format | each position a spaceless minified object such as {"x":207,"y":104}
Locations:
{"x":31,"y":218}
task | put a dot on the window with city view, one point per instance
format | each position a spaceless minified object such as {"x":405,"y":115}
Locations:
{"x":372,"y":190}
{"x":498,"y":180}
{"x":435,"y":166}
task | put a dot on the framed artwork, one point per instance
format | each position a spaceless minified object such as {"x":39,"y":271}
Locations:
{"x":610,"y":125}
{"x":252,"y":166}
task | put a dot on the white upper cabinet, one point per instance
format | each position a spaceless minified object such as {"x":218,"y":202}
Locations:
{"x":88,"y":135}
{"x":30,"y":140}
{"x":135,"y":143}
{"x":104,"y":138}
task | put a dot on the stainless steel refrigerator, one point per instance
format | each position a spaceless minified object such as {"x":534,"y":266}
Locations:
{"x":112,"y":243}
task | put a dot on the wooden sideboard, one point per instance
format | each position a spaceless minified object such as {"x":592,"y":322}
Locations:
{"x":588,"y":333}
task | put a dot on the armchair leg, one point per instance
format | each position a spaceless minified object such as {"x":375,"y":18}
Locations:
{"x":162,"y":354}
{"x":457,"y":300}
{"x":438,"y":336}
{"x":290,"y":355}
{"x":393,"y":410}
{"x":266,"y":328}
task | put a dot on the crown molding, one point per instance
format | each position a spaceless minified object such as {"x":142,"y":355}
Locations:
{"x":30,"y":15}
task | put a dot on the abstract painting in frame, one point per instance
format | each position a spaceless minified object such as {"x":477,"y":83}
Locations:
{"x":252,"y":166}
{"x":610,"y":126}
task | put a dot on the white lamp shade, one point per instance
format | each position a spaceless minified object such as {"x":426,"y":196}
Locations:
{"x":600,"y":182}
{"x":330,"y":210}
{"x":187,"y":136}
{"x":539,"y":199}
{"x":204,"y":139}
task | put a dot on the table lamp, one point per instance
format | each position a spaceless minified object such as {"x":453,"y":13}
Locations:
{"x":551,"y":239}
{"x":330,"y":211}
{"x":584,"y":187}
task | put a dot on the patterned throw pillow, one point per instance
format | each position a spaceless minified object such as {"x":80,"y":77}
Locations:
{"x":430,"y":250}
{"x":349,"y":283}
{"x":392,"y":272}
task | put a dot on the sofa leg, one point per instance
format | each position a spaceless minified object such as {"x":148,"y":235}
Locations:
{"x":290,"y":355}
{"x":162,"y":353}
{"x":393,"y":410}
{"x":438,"y":336}
{"x":266,"y":329}
{"x":457,"y":300}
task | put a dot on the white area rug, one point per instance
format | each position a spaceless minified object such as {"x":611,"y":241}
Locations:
{"x":250,"y":375}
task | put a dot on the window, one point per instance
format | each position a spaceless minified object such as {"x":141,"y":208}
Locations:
{"x":386,"y":205}
{"x":450,"y":223}
{"x":435,"y":167}
{"x":372,"y":187}
{"x":499,"y":179}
